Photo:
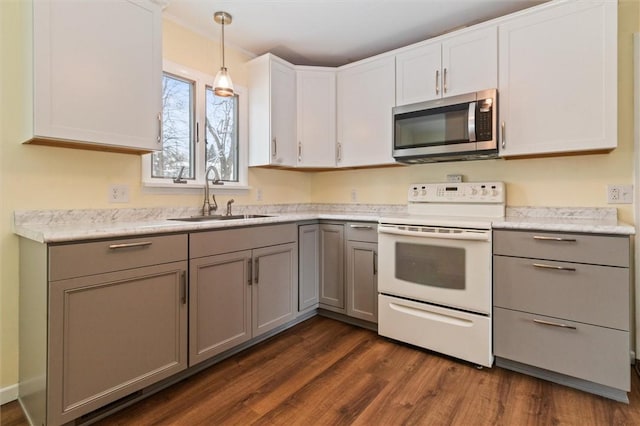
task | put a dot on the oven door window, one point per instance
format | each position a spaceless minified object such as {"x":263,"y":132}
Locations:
{"x":432,"y":266}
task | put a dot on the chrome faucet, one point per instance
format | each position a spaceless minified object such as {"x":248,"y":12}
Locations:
{"x":208,"y":207}
{"x":229,"y":206}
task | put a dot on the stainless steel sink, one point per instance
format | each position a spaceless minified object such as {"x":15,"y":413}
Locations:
{"x":218,"y":217}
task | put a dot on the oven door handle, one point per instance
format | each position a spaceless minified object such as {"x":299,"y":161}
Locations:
{"x":464,"y":235}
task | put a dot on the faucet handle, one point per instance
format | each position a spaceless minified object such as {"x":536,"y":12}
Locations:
{"x":229,"y":206}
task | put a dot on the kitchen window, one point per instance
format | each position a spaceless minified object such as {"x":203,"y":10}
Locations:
{"x":199,"y":130}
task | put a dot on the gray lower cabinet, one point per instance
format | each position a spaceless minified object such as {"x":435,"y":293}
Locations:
{"x":99,"y":320}
{"x":362,"y":272}
{"x":340,"y":259}
{"x":332,"y":289}
{"x":562,"y":305}
{"x":308,"y":266}
{"x":242,"y":284}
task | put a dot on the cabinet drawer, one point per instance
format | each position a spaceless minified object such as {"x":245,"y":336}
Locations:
{"x":77,"y":260}
{"x":362,"y":231}
{"x":596,"y":249}
{"x":230,"y":240}
{"x":591,"y":294}
{"x":597,"y":354}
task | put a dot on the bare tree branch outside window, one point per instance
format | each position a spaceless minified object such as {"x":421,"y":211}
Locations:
{"x":177,"y":125}
{"x":222,"y":135}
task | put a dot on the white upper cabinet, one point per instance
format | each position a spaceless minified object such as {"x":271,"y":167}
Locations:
{"x":97,"y":74}
{"x":316,"y":116}
{"x":558,"y":71}
{"x":366,"y":94}
{"x":466,"y":62}
{"x":272,"y":112}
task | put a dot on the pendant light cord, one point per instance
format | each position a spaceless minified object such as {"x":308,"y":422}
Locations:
{"x":223,"y":41}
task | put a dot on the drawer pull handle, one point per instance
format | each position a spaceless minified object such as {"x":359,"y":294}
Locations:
{"x":128,"y":245}
{"x":554,"y":324}
{"x":557,"y":268}
{"x":361,"y":227}
{"x":565,"y":240}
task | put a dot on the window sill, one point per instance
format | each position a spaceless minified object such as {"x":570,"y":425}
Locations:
{"x":190,"y":187}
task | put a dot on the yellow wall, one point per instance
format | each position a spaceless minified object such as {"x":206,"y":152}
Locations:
{"x":35,"y":177}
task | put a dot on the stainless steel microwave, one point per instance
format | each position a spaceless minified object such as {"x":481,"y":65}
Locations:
{"x":460,"y":127}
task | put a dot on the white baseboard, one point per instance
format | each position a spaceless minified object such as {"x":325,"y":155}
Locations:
{"x":8,"y":394}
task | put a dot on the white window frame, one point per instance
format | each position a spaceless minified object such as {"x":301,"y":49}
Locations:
{"x":201,"y":81}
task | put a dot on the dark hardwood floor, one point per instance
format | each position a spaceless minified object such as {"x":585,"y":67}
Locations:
{"x":323,"y":372}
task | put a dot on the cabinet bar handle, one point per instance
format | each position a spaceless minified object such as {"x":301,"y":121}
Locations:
{"x":554,"y":324}
{"x":128,"y":245}
{"x":437,"y":82}
{"x":504,"y":138}
{"x":564,"y":240}
{"x":557,"y":268}
{"x":257,"y":271}
{"x":339,"y":152}
{"x":361,"y":227}
{"x":299,"y":151}
{"x":444,"y":84}
{"x":183,"y":288}
{"x":375,"y":263}
{"x":159,"y":127}
{"x":249,"y":265}
{"x":197,"y":132}
{"x":274,"y":147}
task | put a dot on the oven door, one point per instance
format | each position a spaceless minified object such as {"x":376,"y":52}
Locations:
{"x":443,"y":266}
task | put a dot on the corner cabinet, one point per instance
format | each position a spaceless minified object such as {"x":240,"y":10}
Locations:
{"x":366,"y":94}
{"x":242,"y":284}
{"x":344,"y":257}
{"x":316,"y":116}
{"x":96,"y":87}
{"x":561,"y":308}
{"x":99,"y":321}
{"x":558,"y":79}
{"x":272,"y":108}
{"x":464,"y":63}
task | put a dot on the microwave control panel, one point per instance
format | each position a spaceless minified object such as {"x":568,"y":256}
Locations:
{"x":457,"y":192}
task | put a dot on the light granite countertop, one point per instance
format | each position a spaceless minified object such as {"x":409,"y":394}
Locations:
{"x":58,"y":226}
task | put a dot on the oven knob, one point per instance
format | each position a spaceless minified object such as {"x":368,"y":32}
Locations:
{"x":474,"y":191}
{"x":494,"y":192}
{"x":424,"y":192}
{"x":484,"y":191}
{"x":415,"y":192}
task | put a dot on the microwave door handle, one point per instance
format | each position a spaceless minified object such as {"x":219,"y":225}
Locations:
{"x":471,"y":123}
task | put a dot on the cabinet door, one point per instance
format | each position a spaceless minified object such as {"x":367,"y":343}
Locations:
{"x":362,"y":280}
{"x":366,"y":94}
{"x":273,"y":288}
{"x":470,"y":62}
{"x":283,"y":115}
{"x":309,"y":266}
{"x":332,"y":290}
{"x":112,"y":334}
{"x":558,"y":79}
{"x":94,"y":84}
{"x":418,"y":76}
{"x":220,"y":304}
{"x":316,"y":118}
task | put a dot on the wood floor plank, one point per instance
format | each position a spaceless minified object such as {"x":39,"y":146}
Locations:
{"x":324,"y":372}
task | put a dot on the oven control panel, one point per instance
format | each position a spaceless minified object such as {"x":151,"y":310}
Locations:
{"x":457,"y":192}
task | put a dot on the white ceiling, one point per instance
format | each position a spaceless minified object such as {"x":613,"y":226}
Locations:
{"x":334,"y":32}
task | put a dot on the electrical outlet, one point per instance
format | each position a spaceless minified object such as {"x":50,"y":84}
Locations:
{"x":619,"y":194}
{"x":119,"y":193}
{"x":354,"y":196}
{"x":259,"y":194}
{"x":454,"y":178}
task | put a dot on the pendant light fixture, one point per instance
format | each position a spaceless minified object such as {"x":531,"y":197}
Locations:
{"x":222,"y":84}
